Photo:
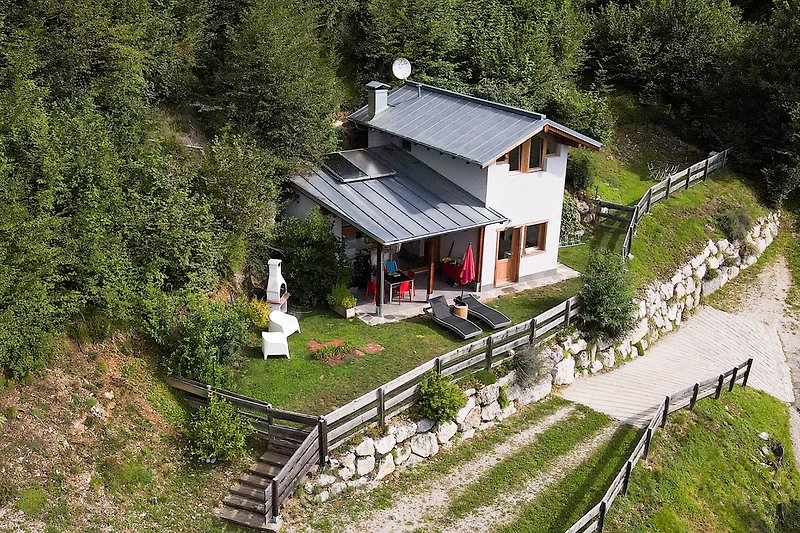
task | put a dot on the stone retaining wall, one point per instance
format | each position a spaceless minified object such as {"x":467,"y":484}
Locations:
{"x":662,"y":309}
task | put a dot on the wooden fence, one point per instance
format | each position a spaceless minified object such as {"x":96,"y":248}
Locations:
{"x":683,"y":179}
{"x":594,"y":519}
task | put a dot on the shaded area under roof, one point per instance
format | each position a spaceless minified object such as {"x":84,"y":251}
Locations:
{"x":414,"y":203}
{"x":460,"y":125}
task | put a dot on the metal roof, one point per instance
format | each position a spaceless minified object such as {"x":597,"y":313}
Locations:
{"x":459,"y":125}
{"x":414,"y":203}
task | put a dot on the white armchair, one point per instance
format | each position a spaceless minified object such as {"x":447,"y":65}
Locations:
{"x":274,"y":343}
{"x":283,"y":322}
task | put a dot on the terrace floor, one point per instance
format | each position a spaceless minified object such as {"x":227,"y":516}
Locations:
{"x":396,"y":311}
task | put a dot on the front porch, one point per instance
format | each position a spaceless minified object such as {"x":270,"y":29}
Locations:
{"x":396,"y":311}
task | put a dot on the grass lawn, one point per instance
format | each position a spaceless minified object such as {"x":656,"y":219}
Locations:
{"x":306,"y":385}
{"x":706,"y":472}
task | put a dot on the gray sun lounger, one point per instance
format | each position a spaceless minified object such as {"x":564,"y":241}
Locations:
{"x":439,"y":312}
{"x":483,"y":312}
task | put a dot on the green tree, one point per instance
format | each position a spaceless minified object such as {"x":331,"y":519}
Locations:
{"x":607,"y":308}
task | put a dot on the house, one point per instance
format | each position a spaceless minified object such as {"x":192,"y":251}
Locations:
{"x":442,"y":170}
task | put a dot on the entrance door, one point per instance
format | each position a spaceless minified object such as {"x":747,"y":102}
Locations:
{"x":506,"y":268}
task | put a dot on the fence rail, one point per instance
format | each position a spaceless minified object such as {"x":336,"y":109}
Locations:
{"x":594,"y":519}
{"x":680,"y":180}
{"x":379,"y":405}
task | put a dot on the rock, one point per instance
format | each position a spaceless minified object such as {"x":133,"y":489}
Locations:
{"x":712,"y":248}
{"x":98,"y":411}
{"x":488,"y":394}
{"x":604,"y":344}
{"x":462,"y":413}
{"x":712,"y":262}
{"x":686,"y":271}
{"x":536,"y":392}
{"x":577,"y":347}
{"x":424,"y":444}
{"x":365,"y":465}
{"x":697,"y":260}
{"x":109,"y":395}
{"x":334,"y":463}
{"x":424,"y":425}
{"x":763,"y":435}
{"x":386,"y":467}
{"x":608,"y":359}
{"x":309,"y":487}
{"x":638,"y":332}
{"x":414,"y":459}
{"x":700,"y":273}
{"x":667,"y":290}
{"x":712,"y":285}
{"x":468,"y":434}
{"x":323,"y":496}
{"x":680,"y":290}
{"x":401,"y":454}
{"x":365,"y":448}
{"x":348,"y":460}
{"x":582,"y":360}
{"x":403,"y":430}
{"x":345,"y":473}
{"x":338,"y":488}
{"x":672,"y":313}
{"x":597,"y":366}
{"x":490,"y":412}
{"x":583,"y":207}
{"x":473,"y":419}
{"x":508,"y":410}
{"x":513,"y":392}
{"x":385,"y":444}
{"x":323,"y":480}
{"x":733,"y":272}
{"x":564,"y":372}
{"x":511,"y":377}
{"x":445,"y":431}
{"x":469,"y":392}
{"x":358,"y":482}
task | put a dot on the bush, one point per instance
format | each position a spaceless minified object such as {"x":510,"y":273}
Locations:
{"x":203,"y":339}
{"x":314,"y":259}
{"x":579,"y":174}
{"x":258,"y":313}
{"x":217,"y":431}
{"x":607,"y":308}
{"x":711,"y":274}
{"x":528,"y":364}
{"x":440,"y":399}
{"x":341,"y":296}
{"x":570,"y":217}
{"x":736,"y":223}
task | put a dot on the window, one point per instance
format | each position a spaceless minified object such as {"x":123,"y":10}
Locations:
{"x":535,"y":160}
{"x":505,"y":247}
{"x":551,"y":146}
{"x":514,"y":159}
{"x":535,"y":237}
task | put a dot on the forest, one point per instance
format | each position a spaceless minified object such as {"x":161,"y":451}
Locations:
{"x":112,"y":216}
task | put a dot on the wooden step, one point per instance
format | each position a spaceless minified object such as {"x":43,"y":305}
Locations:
{"x":246,"y":518}
{"x":265,"y":469}
{"x":246,"y":504}
{"x":256,"y":480}
{"x":275,"y":458}
{"x":248,"y":491}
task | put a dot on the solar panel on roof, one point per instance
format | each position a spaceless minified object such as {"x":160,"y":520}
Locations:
{"x":355,"y":165}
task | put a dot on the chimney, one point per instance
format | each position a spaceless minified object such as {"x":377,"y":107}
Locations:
{"x":378,"y":100}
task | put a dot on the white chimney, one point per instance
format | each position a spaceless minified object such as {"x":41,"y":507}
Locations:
{"x":378,"y":98}
{"x":276,"y":285}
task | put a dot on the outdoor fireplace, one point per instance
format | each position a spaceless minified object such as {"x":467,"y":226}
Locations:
{"x":276,"y":285}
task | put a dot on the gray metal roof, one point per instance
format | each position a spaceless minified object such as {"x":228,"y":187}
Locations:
{"x":463,"y":126}
{"x":414,"y":203}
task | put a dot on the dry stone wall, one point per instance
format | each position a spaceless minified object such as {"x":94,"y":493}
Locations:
{"x":661,"y":309}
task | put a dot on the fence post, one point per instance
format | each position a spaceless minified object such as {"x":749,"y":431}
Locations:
{"x":601,"y":519}
{"x":635,"y":219}
{"x":733,"y":378}
{"x":649,"y":199}
{"x":275,"y":503}
{"x":489,"y":344}
{"x":322,"y":426}
{"x":719,"y":386}
{"x":628,"y":467}
{"x":747,"y":372}
{"x":688,"y":175}
{"x":705,"y":170}
{"x":647,"y":439}
{"x":568,"y":304}
{"x":382,"y":407}
{"x":438,"y":363}
{"x":724,"y":158}
{"x":694,"y":396}
{"x":532,"y":336}
{"x":666,"y":412}
{"x":669,"y":185}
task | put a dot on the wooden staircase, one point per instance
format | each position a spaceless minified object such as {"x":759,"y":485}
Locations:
{"x":246,"y":505}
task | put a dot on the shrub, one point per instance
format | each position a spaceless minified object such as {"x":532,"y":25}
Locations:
{"x":528,"y":364}
{"x":314,"y":258}
{"x":217,"y":431}
{"x":332,"y":350}
{"x":736,"y":223}
{"x":440,"y":399}
{"x":502,"y":399}
{"x":258,"y":313}
{"x":607,"y":308}
{"x":579,"y":174}
{"x":570,"y":217}
{"x":711,"y":274}
{"x":341,"y":296}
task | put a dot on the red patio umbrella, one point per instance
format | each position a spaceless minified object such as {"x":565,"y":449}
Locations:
{"x":467,"y":269}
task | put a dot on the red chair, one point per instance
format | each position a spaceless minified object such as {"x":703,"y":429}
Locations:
{"x":411,"y":274}
{"x":403,"y":288}
{"x":372,"y":287}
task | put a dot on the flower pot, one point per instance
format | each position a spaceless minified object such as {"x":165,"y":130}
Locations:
{"x":461,"y":310}
{"x":347,"y":313}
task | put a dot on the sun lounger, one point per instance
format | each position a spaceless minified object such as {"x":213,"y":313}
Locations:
{"x":483,"y":312}
{"x":439,"y":312}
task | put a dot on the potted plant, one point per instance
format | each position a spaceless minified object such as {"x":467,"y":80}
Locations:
{"x":342,"y":301}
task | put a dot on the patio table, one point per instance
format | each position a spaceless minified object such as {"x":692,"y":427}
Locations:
{"x":395,"y":278}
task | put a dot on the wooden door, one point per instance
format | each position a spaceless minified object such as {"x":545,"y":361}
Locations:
{"x":506,"y":269}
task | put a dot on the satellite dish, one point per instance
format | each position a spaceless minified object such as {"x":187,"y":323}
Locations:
{"x":401,"y":68}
